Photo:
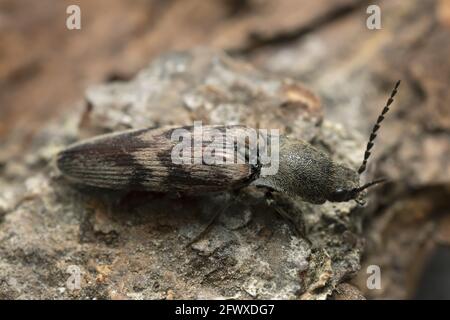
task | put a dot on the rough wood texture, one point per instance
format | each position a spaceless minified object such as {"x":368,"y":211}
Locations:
{"x":325,"y":45}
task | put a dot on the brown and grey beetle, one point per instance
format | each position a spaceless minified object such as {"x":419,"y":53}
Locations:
{"x":141,"y":160}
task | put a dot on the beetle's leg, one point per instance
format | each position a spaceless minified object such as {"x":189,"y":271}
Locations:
{"x":24,"y":199}
{"x":299,"y":228}
{"x":212,"y":220}
{"x":207,"y":228}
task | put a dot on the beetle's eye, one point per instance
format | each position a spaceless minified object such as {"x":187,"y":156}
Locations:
{"x":339,"y":195}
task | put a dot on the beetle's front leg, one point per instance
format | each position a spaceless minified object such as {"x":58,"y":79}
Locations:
{"x":283,"y":209}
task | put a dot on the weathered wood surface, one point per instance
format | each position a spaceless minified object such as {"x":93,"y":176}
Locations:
{"x":325,"y":45}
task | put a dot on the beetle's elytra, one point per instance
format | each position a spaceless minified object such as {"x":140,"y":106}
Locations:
{"x":141,"y":160}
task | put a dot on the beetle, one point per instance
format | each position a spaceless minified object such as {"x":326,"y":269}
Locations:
{"x":143,"y":160}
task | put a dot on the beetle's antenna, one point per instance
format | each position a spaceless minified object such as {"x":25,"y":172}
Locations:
{"x":369,"y":184}
{"x":373,"y":135}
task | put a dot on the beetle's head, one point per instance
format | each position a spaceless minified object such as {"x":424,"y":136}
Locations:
{"x":346,"y":185}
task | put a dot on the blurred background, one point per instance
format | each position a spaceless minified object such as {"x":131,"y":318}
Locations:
{"x":45,"y":69}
